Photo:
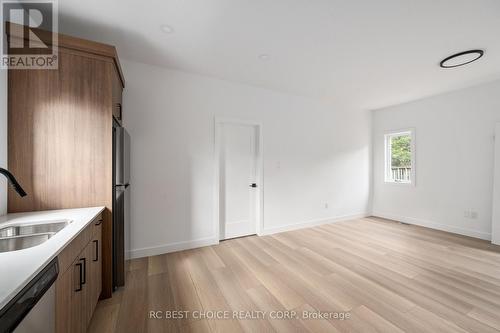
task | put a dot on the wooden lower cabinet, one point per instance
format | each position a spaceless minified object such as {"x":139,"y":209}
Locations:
{"x":78,"y":288}
{"x":95,"y":273}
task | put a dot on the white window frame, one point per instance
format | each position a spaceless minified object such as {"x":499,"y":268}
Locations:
{"x":388,"y":156}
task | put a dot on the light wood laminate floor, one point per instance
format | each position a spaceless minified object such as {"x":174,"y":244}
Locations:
{"x":388,"y":276}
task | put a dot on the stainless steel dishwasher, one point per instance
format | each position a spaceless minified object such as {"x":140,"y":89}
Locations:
{"x":33,"y":308}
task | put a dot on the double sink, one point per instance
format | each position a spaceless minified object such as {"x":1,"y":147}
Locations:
{"x":26,"y":235}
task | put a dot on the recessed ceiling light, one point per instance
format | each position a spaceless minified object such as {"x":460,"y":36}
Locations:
{"x":166,"y":29}
{"x":264,"y":56}
{"x":462,"y":58}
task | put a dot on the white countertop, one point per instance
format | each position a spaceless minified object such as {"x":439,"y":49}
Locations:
{"x":18,"y":268}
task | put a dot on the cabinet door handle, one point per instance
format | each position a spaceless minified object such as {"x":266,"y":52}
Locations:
{"x":99,"y":222}
{"x":96,"y":242}
{"x":84,"y":279}
{"x":80,"y":277}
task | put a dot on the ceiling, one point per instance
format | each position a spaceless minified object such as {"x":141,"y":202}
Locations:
{"x":366,"y":53}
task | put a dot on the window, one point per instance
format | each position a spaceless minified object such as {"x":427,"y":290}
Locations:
{"x":400,"y":157}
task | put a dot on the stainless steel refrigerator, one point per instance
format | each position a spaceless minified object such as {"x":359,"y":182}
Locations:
{"x":121,"y":190}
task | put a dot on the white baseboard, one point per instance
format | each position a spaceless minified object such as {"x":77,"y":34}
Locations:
{"x":311,"y":223}
{"x":192,"y":244}
{"x":434,"y":225}
{"x":172,"y":247}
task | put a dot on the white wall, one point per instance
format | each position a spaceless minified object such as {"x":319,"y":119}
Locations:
{"x":3,"y":140}
{"x":454,"y":161}
{"x":323,"y":152}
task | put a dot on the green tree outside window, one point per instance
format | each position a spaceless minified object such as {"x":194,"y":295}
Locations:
{"x":401,"y":151}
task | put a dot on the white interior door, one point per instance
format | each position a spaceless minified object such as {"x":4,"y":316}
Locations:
{"x":238,"y":173}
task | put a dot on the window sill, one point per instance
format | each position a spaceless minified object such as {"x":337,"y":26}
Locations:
{"x":391,"y":182}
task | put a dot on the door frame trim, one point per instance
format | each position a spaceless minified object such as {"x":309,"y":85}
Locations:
{"x":495,"y":217}
{"x":259,"y":214}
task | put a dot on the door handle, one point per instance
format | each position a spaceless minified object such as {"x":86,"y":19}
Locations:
{"x":96,"y":242}
{"x":84,"y":279}
{"x":253,"y":185}
{"x":80,"y":277}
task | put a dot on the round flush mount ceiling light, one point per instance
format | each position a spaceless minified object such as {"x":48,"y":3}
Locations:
{"x":462,"y":58}
{"x":264,"y":57}
{"x":166,"y":29}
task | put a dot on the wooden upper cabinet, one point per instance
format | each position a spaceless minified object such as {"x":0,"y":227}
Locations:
{"x":60,"y":128}
{"x":60,"y":143}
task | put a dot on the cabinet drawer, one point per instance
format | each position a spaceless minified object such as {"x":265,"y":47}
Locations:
{"x":96,"y":225}
{"x":73,"y":249}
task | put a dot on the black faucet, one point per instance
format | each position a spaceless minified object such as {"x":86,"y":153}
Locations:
{"x":13,"y":182}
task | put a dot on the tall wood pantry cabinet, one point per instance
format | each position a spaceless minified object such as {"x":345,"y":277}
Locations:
{"x":60,"y":137}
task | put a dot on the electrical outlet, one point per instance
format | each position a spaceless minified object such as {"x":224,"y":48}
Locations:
{"x":470,"y":214}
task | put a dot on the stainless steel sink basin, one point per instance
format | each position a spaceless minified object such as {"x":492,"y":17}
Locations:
{"x":33,"y":228}
{"x":26,"y":235}
{"x":23,"y":242}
